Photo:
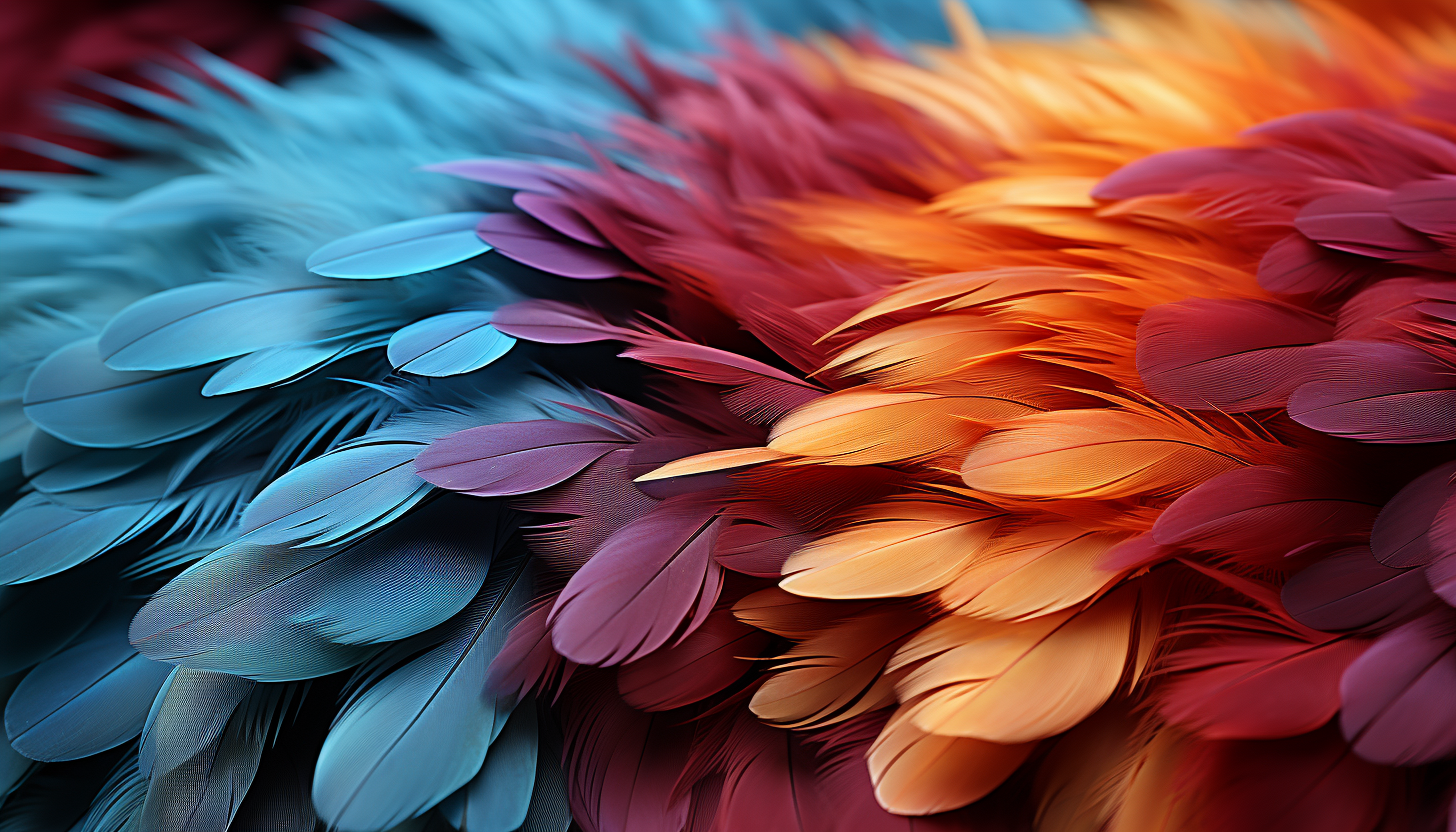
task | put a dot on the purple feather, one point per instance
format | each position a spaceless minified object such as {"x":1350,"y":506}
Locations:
{"x":1428,"y":206}
{"x":561,"y":217}
{"x":1351,"y":589}
{"x":554,"y":322}
{"x":1359,"y":222}
{"x":533,"y":243}
{"x":1297,"y":265}
{"x":1378,"y":392}
{"x":1397,"y":696}
{"x":504,"y":173}
{"x":652,"y":581}
{"x":514,"y":457}
{"x":1400,"y":537}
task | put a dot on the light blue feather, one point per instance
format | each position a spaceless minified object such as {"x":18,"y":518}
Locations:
{"x":274,"y":612}
{"x":402,"y":248}
{"x":498,"y":797}
{"x":448,"y":345}
{"x":39,"y":618}
{"x":206,"y":322}
{"x":91,"y":697}
{"x":39,"y":539}
{"x":75,"y":397}
{"x":421,"y":732}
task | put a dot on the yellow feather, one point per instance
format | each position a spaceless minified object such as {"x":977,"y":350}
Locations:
{"x":714,"y":461}
{"x":868,"y":426}
{"x":915,"y":773}
{"x":1101,"y":453}
{"x":836,"y":674}
{"x":1019,"y":681}
{"x":904,"y":547}
{"x":1033,"y":571}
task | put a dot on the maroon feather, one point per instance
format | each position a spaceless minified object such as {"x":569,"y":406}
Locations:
{"x":1280,"y":683}
{"x":1310,"y":783}
{"x":715,"y":656}
{"x":535,"y":244}
{"x":621,"y":764}
{"x":1265,"y":512}
{"x":1378,"y":392}
{"x":1351,"y":589}
{"x":769,"y":782}
{"x":1428,"y":206}
{"x":1167,"y":173}
{"x":1359,"y":222}
{"x":652,"y":580}
{"x":514,"y":457}
{"x":1397,"y":696}
{"x":526,"y":662}
{"x":1229,"y":355}
{"x":758,"y":393}
{"x":1401,"y":535}
{"x":1296,"y":266}
{"x":560,"y":217}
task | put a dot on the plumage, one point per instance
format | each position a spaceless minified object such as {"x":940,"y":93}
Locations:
{"x":447,"y":345}
{"x":500,"y":460}
{"x":1388,"y":694}
{"x":401,"y":248}
{"x":408,"y":740}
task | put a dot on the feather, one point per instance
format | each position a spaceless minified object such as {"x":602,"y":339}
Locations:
{"x":419,"y":733}
{"x":622,"y":765}
{"x":205,"y":789}
{"x":759,"y":392}
{"x":447,"y":345}
{"x":706,"y":662}
{"x":1227,"y":355}
{"x":550,"y":808}
{"x":560,"y":217}
{"x":1350,"y":590}
{"x":514,"y":457}
{"x":1359,"y":222}
{"x":535,"y":244}
{"x":1400,"y":537}
{"x":1377,"y":392}
{"x":651,"y":581}
{"x":1264,"y":512}
{"x":836,"y":673}
{"x":1033,"y":571}
{"x":205,"y":322}
{"x":553,"y":322}
{"x":942,"y":346}
{"x":916,"y":773}
{"x":1275,"y":681}
{"x":401,"y":248}
{"x":758,"y":548}
{"x":1013,"y":682}
{"x":1297,"y":265}
{"x":337,"y":497}
{"x":714,"y":461}
{"x":905,"y":547}
{"x":1099,"y":454}
{"x":42,"y":539}
{"x":769,"y":778}
{"x":238,"y":608}
{"x":14,"y":767}
{"x":1425,"y":205}
{"x":181,"y":201}
{"x":497,"y":799}
{"x":272,"y":366}
{"x":76,"y":398}
{"x":866,"y":426}
{"x":1391,"y":696}
{"x":91,"y":697}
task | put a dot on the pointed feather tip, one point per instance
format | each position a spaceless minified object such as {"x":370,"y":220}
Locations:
{"x":715,"y":461}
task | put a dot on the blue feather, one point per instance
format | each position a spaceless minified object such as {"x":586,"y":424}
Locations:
{"x":339,"y":495}
{"x":189,"y":713}
{"x":550,"y":809}
{"x":90,"y":697}
{"x":14,"y":767}
{"x":75,"y":397}
{"x":56,"y":467}
{"x":447,"y":345}
{"x":401,"y":248}
{"x":421,"y":732}
{"x":498,"y":797}
{"x":275,"y":365}
{"x":202,"y":197}
{"x":275,"y":613}
{"x":194,"y":325}
{"x":39,"y":538}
